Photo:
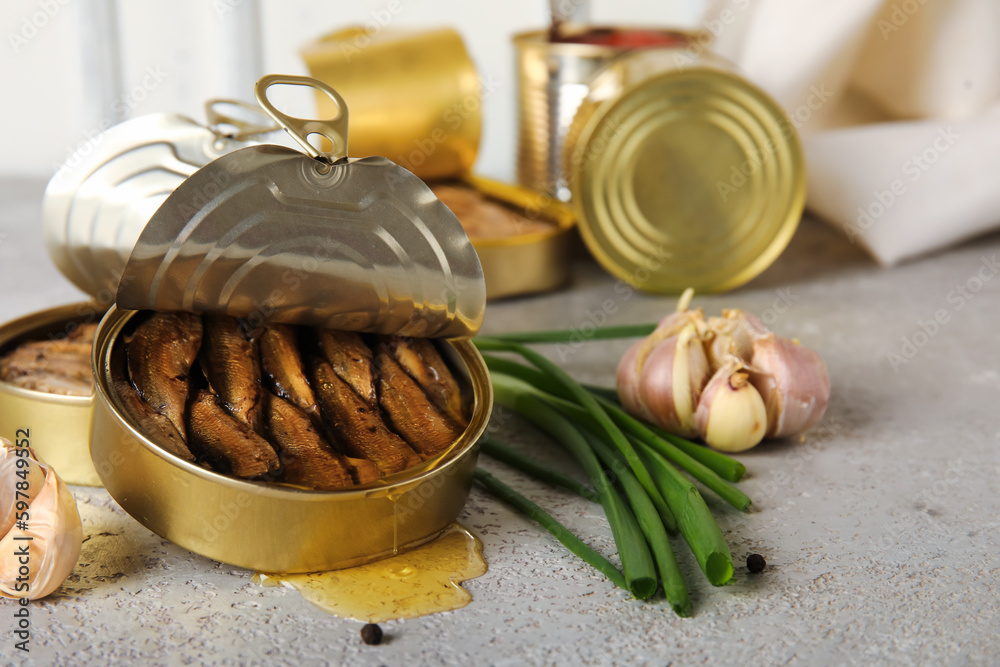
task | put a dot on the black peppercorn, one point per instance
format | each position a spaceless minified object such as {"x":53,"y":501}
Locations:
{"x":371,"y":634}
{"x":756,"y":563}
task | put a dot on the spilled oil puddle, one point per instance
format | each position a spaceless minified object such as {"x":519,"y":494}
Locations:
{"x":415,"y":583}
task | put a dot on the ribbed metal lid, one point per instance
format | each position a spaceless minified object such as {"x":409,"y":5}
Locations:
{"x":684,"y":178}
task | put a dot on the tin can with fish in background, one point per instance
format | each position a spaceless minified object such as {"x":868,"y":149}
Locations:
{"x":417,"y":99}
{"x":681,"y":172}
{"x":53,"y":405}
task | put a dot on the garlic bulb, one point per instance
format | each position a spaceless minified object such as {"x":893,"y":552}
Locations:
{"x":42,"y":532}
{"x":727,"y":379}
{"x":731,"y":416}
{"x":793,"y":382}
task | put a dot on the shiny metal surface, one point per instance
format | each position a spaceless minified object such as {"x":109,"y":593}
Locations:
{"x":683,"y":174}
{"x":414,"y":95}
{"x":333,"y":129}
{"x":100,"y":199}
{"x":272,"y":527}
{"x":552,"y":81}
{"x":59,"y":425}
{"x":267,"y":233}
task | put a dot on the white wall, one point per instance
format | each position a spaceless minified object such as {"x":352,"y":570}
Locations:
{"x":65,"y":75}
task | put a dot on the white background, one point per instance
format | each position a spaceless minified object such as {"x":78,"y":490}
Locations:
{"x":65,"y":75}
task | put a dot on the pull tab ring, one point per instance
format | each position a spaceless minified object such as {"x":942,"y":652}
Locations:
{"x":255,"y":124}
{"x":333,"y":129}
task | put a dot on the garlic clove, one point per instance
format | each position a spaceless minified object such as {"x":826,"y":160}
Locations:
{"x":731,"y":416}
{"x":627,"y":381}
{"x":671,"y":381}
{"x":33,"y":475}
{"x":52,"y":538}
{"x":793,"y":382}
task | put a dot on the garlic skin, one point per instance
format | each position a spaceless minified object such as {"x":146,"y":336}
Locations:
{"x":733,"y":334}
{"x":54,"y":532}
{"x":731,"y":416}
{"x":672,"y":380}
{"x":655,"y":405}
{"x":793,"y":382}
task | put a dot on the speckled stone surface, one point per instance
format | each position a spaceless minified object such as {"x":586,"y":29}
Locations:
{"x":881,"y":528}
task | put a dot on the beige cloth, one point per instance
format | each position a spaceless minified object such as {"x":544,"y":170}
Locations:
{"x":898,"y":106}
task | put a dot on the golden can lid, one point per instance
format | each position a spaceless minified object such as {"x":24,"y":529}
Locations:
{"x":683,"y":176}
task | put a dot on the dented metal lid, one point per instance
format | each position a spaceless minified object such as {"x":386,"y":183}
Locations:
{"x":269,"y":233}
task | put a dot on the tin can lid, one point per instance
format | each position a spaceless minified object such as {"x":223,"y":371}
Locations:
{"x":689,"y":177}
{"x":268,"y":233}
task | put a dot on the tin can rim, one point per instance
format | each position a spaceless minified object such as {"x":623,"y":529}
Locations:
{"x":786,"y":229}
{"x":539,"y":39}
{"x":27,"y":323}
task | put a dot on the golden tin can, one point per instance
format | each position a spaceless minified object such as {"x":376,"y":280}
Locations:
{"x":59,"y":425}
{"x":271,"y":527}
{"x":413,"y":95}
{"x":681,"y":172}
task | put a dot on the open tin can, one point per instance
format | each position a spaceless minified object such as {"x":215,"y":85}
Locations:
{"x":418,"y":94}
{"x":395,"y":261}
{"x":270,"y":527}
{"x":58,"y":425}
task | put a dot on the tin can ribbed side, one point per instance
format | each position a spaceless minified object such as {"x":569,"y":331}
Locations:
{"x":552,"y":82}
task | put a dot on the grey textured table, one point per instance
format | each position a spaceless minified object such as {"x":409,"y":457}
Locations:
{"x":881,"y":528}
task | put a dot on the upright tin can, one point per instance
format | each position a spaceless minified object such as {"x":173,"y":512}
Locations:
{"x":682,"y":173}
{"x":553,"y":79}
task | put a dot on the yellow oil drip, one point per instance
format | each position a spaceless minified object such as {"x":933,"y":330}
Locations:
{"x":415,"y":583}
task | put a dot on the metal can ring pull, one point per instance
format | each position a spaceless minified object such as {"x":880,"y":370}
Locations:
{"x":248,"y":121}
{"x":333,"y":129}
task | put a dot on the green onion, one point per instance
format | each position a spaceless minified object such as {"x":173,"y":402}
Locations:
{"x":529,"y":374}
{"x":725,"y":467}
{"x":634,"y":427}
{"x":645,"y":513}
{"x":544,"y":519}
{"x":606,"y":393}
{"x":696,"y":522}
{"x":637,"y":563}
{"x":700,"y":472}
{"x":705,"y":464}
{"x":528,"y":465}
{"x":577,"y":335}
{"x":590,"y":404}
